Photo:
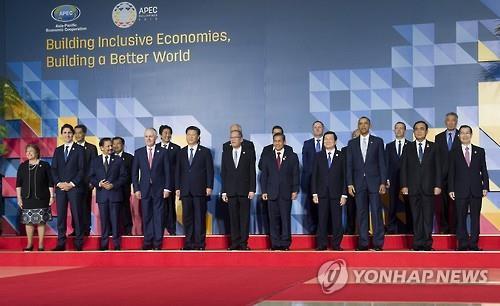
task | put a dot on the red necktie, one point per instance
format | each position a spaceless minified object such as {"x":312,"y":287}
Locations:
{"x":150,"y":157}
{"x":278,"y":160}
{"x":467,"y":156}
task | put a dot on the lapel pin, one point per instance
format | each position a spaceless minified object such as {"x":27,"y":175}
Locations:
{"x":112,"y":159}
{"x":337,"y":154}
{"x":157,"y":151}
{"x":475,"y":152}
{"x":243,"y":152}
{"x":72,"y":149}
{"x":284,"y":157}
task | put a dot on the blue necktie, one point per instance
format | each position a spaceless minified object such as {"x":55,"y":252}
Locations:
{"x":450,"y":141}
{"x":420,"y":152}
{"x":191,"y":156}
{"x":66,"y":153}
{"x":318,"y":145}
{"x":329,"y":159}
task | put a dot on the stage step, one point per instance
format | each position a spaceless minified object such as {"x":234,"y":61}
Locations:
{"x":256,"y":242}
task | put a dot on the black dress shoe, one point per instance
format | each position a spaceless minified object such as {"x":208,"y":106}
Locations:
{"x":73,"y":234}
{"x":41,"y":249}
{"x":233,"y":248}
{"x":477,"y":249}
{"x":103,"y":249}
{"x":462,"y":249}
{"x":416,"y":248}
{"x":28,"y":249}
{"x":146,"y":247}
{"x":428,"y":249}
{"x":337,"y":249}
{"x":322,"y":248}
{"x":378,"y":249}
{"x":187,"y":249}
{"x":87,"y":234}
{"x":59,"y":248}
{"x":79,"y":248}
{"x":172,"y":234}
{"x":156,"y":248}
{"x":275,"y":248}
{"x":361,"y":248}
{"x":245,"y":248}
{"x":117,"y":248}
{"x":200,"y":249}
{"x":285,"y":248}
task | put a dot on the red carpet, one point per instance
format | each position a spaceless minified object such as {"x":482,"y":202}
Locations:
{"x":218,"y":277}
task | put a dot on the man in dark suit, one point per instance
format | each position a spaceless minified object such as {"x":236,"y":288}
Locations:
{"x":447,"y":141}
{"x":125,"y":210}
{"x":194,"y":182}
{"x":393,"y":152}
{"x":151,"y":186}
{"x":366,"y":179}
{"x":269,"y":149}
{"x":238,"y":188}
{"x":350,"y":226}
{"x":421,"y":181}
{"x":68,"y":171}
{"x":468,"y":183}
{"x":246,"y":144}
{"x":279,"y":182}
{"x":108,"y":174}
{"x":90,"y":154}
{"x":329,"y":192}
{"x":309,"y":150}
{"x":172,"y":150}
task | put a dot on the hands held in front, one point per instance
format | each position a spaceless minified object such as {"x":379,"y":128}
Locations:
{"x":106,"y":185}
{"x":65,"y":186}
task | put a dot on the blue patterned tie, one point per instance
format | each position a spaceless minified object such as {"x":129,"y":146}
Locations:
{"x":318,"y":145}
{"x":420,"y":152}
{"x":329,"y":159}
{"x":66,"y":153}
{"x":191,"y":156}
{"x":450,"y":141}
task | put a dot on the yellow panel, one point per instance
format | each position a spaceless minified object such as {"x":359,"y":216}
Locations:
{"x":484,"y":54}
{"x":491,"y":212}
{"x":17,"y":109}
{"x":488,"y":106}
{"x":62,"y":121}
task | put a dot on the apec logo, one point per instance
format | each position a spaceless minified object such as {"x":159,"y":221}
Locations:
{"x":65,"y":13}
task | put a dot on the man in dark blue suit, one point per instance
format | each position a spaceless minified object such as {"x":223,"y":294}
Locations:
{"x":393,"y":152}
{"x":172,"y":150}
{"x":68,"y":170}
{"x":194,"y":181}
{"x":309,"y":150}
{"x":279,"y":182}
{"x":468,"y":183}
{"x":151,"y":186}
{"x":269,"y":149}
{"x":126,"y":223}
{"x":329,"y":192}
{"x":366,"y":179}
{"x":108,"y":174}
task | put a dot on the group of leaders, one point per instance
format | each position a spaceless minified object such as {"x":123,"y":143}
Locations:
{"x":414,"y":173}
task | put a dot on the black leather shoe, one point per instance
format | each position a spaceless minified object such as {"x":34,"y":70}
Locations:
{"x":172,"y":234}
{"x":275,"y":248}
{"x":200,"y":249}
{"x":28,"y":249}
{"x":117,"y":248}
{"x":477,"y":249}
{"x":337,"y":249}
{"x":245,"y":248}
{"x":416,"y":249}
{"x":360,"y":248}
{"x":103,"y":249}
{"x":187,"y":249}
{"x":323,"y":248}
{"x":73,"y":234}
{"x":79,"y":248}
{"x":233,"y":248}
{"x":146,"y":247}
{"x":156,"y":248}
{"x":59,"y":248}
{"x":378,"y":249}
{"x":41,"y":249}
{"x":462,"y":249}
{"x":428,"y":249}
{"x":285,"y":248}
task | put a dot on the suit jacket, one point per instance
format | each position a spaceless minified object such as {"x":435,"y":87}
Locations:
{"x":420,"y":177}
{"x":373,"y":170}
{"x":72,"y":170}
{"x":308,"y":156}
{"x":42,"y":182}
{"x":151,"y":181}
{"x":464,"y":180}
{"x":90,"y":154}
{"x":241,"y":180}
{"x":328,"y":182}
{"x":441,"y":141}
{"x":116,"y":175}
{"x":280,"y":183}
{"x":393,"y":161}
{"x":172,"y":151}
{"x":246,"y":144}
{"x":269,"y":150}
{"x":194,"y":179}
{"x":128,"y":159}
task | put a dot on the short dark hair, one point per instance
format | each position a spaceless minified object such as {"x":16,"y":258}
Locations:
{"x":35,"y":147}
{"x":330,"y":133}
{"x":277,"y":127}
{"x":464,"y":126}
{"x":67,"y":126}
{"x":319,"y":121}
{"x":280,"y":134}
{"x":119,"y":138}
{"x":421,"y":121}
{"x":162,"y":127}
{"x":103,"y":140}
{"x":83,"y":127}
{"x":400,"y":122}
{"x":193,"y":128}
{"x":364,"y":117}
{"x":452,"y":114}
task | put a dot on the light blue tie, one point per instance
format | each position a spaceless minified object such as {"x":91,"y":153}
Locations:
{"x":420,"y":152}
{"x":318,"y":145}
{"x":191,"y":156}
{"x":66,"y":153}
{"x":450,"y":141}
{"x":329,"y":159}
